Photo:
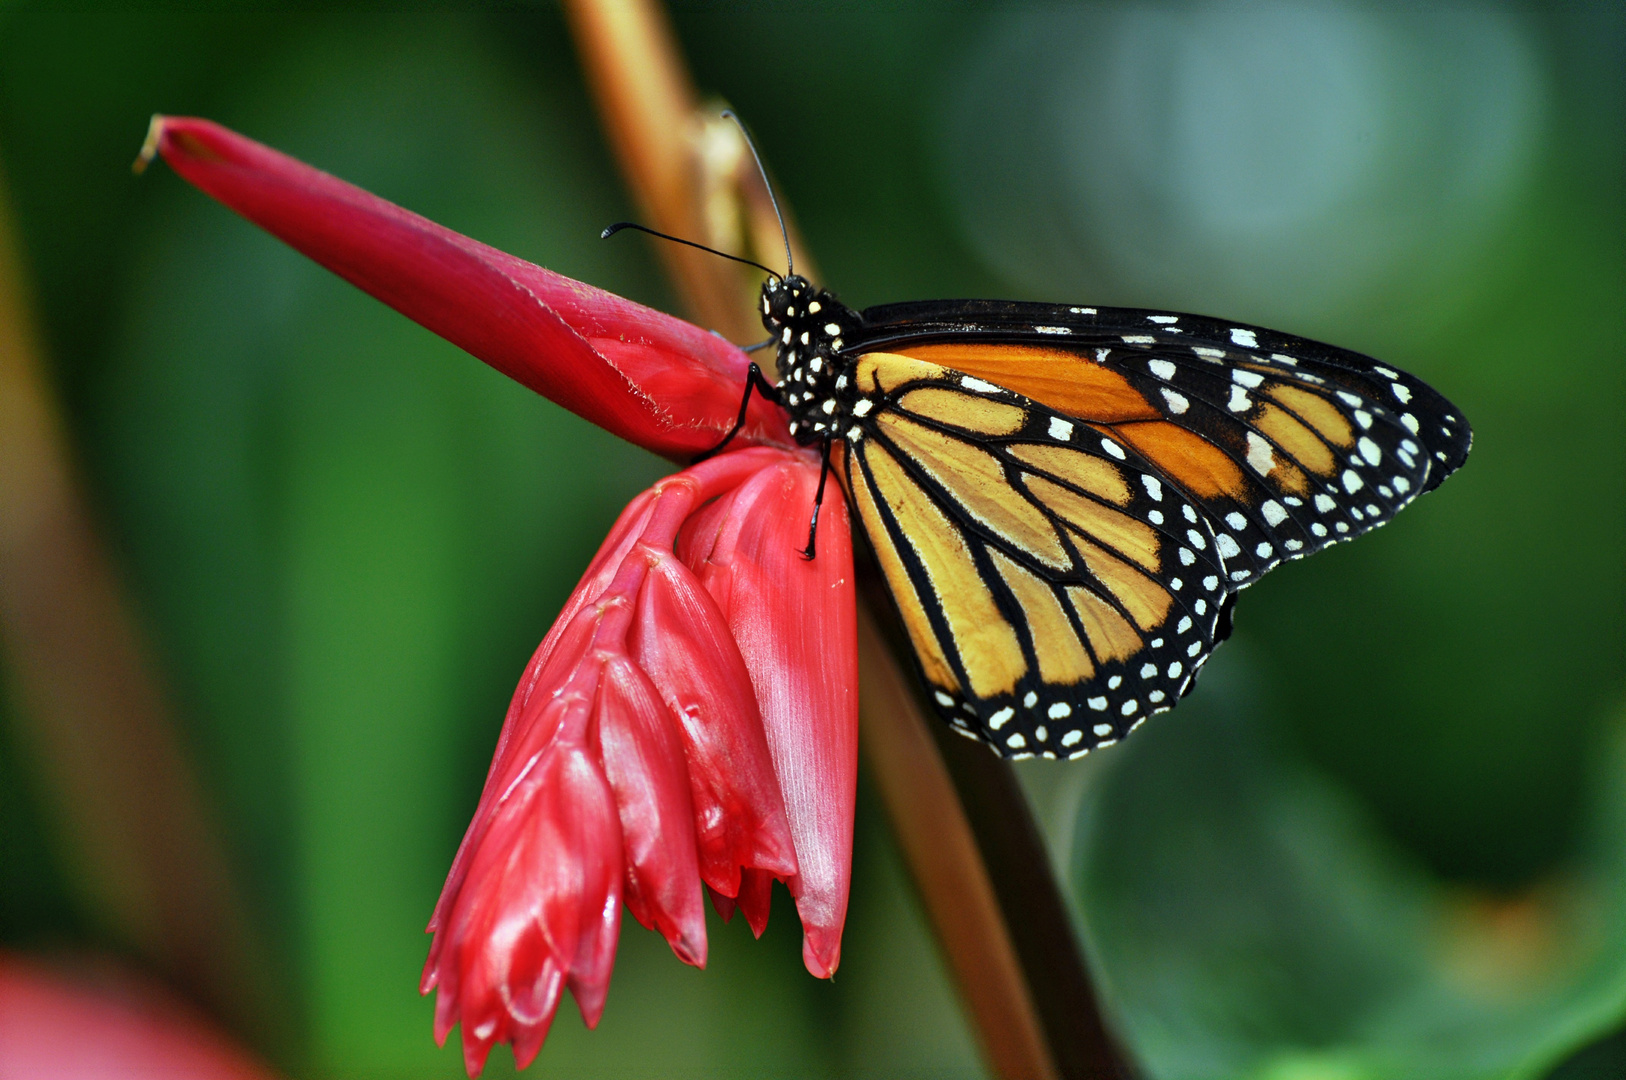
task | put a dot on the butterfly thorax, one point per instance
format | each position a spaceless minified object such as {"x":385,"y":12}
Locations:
{"x":815,"y":381}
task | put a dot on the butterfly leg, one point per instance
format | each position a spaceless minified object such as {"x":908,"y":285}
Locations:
{"x":818,"y":500}
{"x":754,"y":380}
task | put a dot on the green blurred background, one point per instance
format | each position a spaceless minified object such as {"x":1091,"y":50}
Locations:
{"x":1385,"y":838}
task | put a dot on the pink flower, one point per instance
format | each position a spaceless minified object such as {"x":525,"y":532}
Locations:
{"x":691,"y":718}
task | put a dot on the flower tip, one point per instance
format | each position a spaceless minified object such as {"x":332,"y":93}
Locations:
{"x":528,"y":1043}
{"x":149,"y":145}
{"x":445,"y":1016}
{"x":756,"y":897}
{"x":821,"y":952}
{"x":689,"y":950}
{"x":475,"y":1052}
{"x":722,"y":903}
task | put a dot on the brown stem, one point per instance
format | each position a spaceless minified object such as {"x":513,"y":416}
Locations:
{"x":142,"y":857}
{"x":962,"y":822}
{"x":1006,"y":850}
{"x":650,"y":113}
{"x":940,"y":847}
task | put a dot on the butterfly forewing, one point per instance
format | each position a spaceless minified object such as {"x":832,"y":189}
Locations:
{"x":1063,"y":500}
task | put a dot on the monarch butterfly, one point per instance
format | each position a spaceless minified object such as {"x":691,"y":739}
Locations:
{"x":1065,"y":501}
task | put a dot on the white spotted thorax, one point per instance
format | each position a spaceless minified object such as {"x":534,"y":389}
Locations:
{"x":815,"y":383}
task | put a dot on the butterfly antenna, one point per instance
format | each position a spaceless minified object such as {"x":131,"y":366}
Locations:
{"x":790,"y":267}
{"x":618,"y":226}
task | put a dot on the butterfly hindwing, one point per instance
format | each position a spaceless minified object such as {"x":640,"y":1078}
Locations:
{"x":1056,"y":591}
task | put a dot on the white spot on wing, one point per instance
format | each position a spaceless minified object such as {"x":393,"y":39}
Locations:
{"x":978,"y":385}
{"x":1163,"y":320}
{"x":1244,"y":337}
{"x":1402,"y":392}
{"x":1138,"y":339}
{"x":1226,"y":545}
{"x":1369,"y":450}
{"x":1273,"y":511}
{"x":1239,"y":400}
{"x":1114,"y":449}
{"x":1154,"y":486}
{"x":1250,"y":379}
{"x":1177,"y":402}
{"x":1060,"y":711}
{"x":1060,"y":429}
{"x":1260,"y":454}
{"x":1000,"y":718}
{"x":1163,"y":369}
{"x":1053,"y":329}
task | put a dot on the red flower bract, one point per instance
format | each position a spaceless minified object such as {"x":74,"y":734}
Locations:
{"x":691,"y":718}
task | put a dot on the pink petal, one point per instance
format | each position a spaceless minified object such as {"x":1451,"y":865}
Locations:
{"x":643,"y":760}
{"x":654,"y":380}
{"x":681,"y":640}
{"x":541,"y":897}
{"x":795,"y":622}
{"x":756,"y":895}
